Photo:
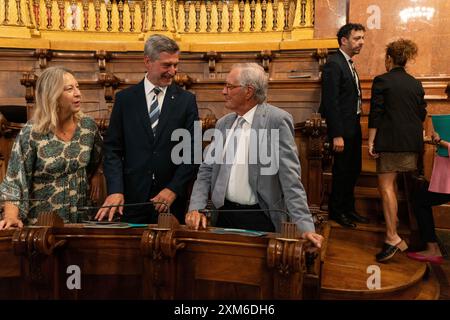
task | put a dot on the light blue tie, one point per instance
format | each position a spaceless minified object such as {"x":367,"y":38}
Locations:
{"x":154,"y":109}
{"x":220,"y":188}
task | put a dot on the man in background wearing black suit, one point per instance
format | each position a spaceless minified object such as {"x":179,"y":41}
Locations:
{"x":341,"y":107}
{"x":138,"y":165}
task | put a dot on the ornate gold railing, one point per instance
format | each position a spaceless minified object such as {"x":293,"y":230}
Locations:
{"x":142,"y":16}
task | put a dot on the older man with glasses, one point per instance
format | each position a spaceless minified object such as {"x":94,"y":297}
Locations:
{"x":249,"y":192}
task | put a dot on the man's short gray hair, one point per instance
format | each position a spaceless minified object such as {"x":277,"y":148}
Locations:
{"x":158,"y":43}
{"x":253,"y":75}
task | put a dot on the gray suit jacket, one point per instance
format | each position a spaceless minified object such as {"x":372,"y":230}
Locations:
{"x":279,"y":189}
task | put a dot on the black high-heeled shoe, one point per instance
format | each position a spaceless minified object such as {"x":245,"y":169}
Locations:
{"x":389,"y":250}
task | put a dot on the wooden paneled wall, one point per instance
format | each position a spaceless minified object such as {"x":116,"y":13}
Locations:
{"x":294,"y":76}
{"x":294,"y":82}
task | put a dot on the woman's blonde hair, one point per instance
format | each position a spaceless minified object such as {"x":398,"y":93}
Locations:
{"x":49,"y":87}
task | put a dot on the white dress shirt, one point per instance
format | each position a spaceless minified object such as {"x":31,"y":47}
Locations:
{"x":238,"y":189}
{"x":348,"y":58}
{"x":149,"y":94}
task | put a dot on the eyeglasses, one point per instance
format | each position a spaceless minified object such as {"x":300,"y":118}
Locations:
{"x":231,"y":86}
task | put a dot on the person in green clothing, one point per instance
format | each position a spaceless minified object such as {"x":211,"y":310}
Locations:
{"x":54,"y":155}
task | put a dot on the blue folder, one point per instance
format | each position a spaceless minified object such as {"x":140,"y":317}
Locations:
{"x":441,"y":124}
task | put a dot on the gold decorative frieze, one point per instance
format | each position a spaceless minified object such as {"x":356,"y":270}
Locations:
{"x":229,"y":19}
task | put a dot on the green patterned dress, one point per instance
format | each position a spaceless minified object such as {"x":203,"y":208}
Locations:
{"x":42,"y":166}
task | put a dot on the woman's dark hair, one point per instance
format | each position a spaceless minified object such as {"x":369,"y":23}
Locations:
{"x":401,"y":51}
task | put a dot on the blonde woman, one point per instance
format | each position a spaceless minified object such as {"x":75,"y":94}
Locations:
{"x":53,"y":156}
{"x":397,"y":110}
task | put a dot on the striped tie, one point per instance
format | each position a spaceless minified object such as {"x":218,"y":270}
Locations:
{"x":356,"y":78}
{"x":154,"y":109}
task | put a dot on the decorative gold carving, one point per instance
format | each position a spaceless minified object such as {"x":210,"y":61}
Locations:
{"x":159,"y":248}
{"x":109,"y":15}
{"x":102,"y":57}
{"x":6,"y":19}
{"x":29,"y":81}
{"x":183,"y":80}
{"x":275,"y":15}
{"x":37,"y":13}
{"x":163,"y":13}
{"x":198,"y":6}
{"x":19,"y":13}
{"x":303,"y":13}
{"x":177,"y":9}
{"x":74,"y":14}
{"x":286,"y":259}
{"x":186,"y":5}
{"x":315,"y":129}
{"x":30,"y":16}
{"x":286,"y":15}
{"x":44,"y":55}
{"x":219,"y":15}
{"x":120,"y":11}
{"x":208,"y":121}
{"x":35,"y":244}
{"x":230,"y":15}
{"x":85,"y":5}
{"x":132,"y":7}
{"x":97,"y":7}
{"x":263,"y":15}
{"x":61,"y":7}
{"x":321,"y":55}
{"x":252,"y":15}
{"x":153,"y":27}
{"x":110,"y":82}
{"x":212,"y":57}
{"x":144,"y":19}
{"x":241,"y":15}
{"x":265,"y":56}
{"x":160,"y":244}
{"x":48,"y":6}
{"x":208,"y":15}
{"x":285,"y":256}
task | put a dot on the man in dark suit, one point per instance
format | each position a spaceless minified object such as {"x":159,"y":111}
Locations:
{"x":341,"y":107}
{"x":138,"y":165}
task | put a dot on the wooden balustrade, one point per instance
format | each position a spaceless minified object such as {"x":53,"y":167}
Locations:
{"x":141,"y":16}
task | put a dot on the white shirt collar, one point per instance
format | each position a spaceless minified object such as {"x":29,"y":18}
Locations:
{"x":347,"y":57}
{"x":249,"y":115}
{"x":148,"y":87}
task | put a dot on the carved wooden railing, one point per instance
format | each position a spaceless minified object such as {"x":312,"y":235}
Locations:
{"x":141,"y":16}
{"x":164,"y":260}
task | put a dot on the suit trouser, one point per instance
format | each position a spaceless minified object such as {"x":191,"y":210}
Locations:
{"x":423,"y":203}
{"x":251,"y":220}
{"x":346,"y":170}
